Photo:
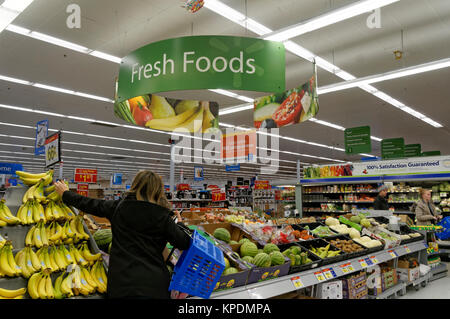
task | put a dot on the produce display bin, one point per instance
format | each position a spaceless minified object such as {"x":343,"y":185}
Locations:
{"x":363,"y":252}
{"x":198,"y":269}
{"x":313,"y":226}
{"x":233,"y":280}
{"x":317,"y":243}
{"x":316,"y":261}
{"x":261,"y":274}
{"x":405,"y":230}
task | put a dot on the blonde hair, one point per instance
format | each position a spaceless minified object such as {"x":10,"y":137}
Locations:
{"x":148,"y":186}
{"x":422,"y":191}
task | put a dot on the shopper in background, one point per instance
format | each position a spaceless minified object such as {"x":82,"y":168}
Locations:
{"x":141,"y":224}
{"x":426,"y":213}
{"x":381,"y":202}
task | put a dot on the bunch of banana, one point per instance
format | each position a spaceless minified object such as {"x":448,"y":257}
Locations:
{"x":76,"y":224}
{"x":57,"y":211}
{"x":37,"y":236}
{"x":32,"y":179}
{"x":28,"y":261}
{"x":12,"y":294}
{"x":6,"y":218}
{"x":31,"y":212}
{"x":40,"y":285}
{"x":8,"y":266}
{"x":66,"y":209}
{"x":52,"y":194}
{"x":99,"y":275}
{"x":191,"y":120}
{"x":90,"y":258}
{"x":2,"y":241}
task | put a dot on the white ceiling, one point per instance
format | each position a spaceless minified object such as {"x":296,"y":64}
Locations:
{"x":119,"y":27}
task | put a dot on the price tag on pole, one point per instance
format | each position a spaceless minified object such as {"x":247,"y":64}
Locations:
{"x":407,"y":249}
{"x":297,"y":282}
{"x":53,"y":149}
{"x":320,"y":277}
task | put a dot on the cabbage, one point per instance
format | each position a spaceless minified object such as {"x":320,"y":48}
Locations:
{"x":354,"y":233}
{"x":330,"y":221}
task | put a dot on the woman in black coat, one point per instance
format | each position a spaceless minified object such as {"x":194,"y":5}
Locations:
{"x":141,"y":226}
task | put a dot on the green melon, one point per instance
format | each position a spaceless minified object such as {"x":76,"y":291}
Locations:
{"x":277,"y":258}
{"x":103,"y":237}
{"x":248,"y":259}
{"x":270,"y":248}
{"x":230,"y":271}
{"x":262,"y":260}
{"x":233,"y":242}
{"x":222,"y":234}
{"x":243,"y":240}
{"x":249,"y":249}
{"x":109,"y":248}
{"x":227,"y":263}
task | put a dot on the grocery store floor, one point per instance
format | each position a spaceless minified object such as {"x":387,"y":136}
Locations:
{"x":438,"y":289}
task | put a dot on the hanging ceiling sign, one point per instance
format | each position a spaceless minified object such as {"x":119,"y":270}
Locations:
{"x":203,"y":62}
{"x":53,"y":149}
{"x":413,"y":150}
{"x":357,"y":140}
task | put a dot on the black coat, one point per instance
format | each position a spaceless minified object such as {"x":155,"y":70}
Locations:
{"x":140,"y":232}
{"x":381,"y":203}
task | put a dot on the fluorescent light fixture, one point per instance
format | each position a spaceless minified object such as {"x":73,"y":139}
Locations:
{"x":95,"y":97}
{"x":332,"y":17}
{"x":338,"y":127}
{"x":14,"y":80}
{"x":16,"y":5}
{"x":10,"y":10}
{"x":427,"y":67}
{"x":376,"y":138}
{"x":106,"y":56}
{"x":53,"y":88}
{"x":431,"y":122}
{"x":235,"y":109}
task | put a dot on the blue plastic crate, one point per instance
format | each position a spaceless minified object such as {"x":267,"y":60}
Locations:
{"x":199,"y":268}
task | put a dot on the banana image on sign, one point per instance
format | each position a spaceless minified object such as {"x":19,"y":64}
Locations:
{"x":52,"y":149}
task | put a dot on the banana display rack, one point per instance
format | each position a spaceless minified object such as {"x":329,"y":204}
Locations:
{"x":46,"y":249}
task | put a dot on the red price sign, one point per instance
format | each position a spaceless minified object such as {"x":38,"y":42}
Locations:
{"x":262,"y":185}
{"x":83,"y":175}
{"x":83,"y":189}
{"x":183,"y":187}
{"x":217,"y":197}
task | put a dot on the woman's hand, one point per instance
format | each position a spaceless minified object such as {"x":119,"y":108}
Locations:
{"x":61,"y":187}
{"x":177,"y":213}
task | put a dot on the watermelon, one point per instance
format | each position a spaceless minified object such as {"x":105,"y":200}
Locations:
{"x":262,"y":260}
{"x":249,"y":249}
{"x":243,"y":240}
{"x":277,"y":258}
{"x":222,"y":234}
{"x":227,"y":263}
{"x":103,"y":237}
{"x":248,"y":259}
{"x":230,"y":271}
{"x":270,"y":248}
{"x":260,"y":250}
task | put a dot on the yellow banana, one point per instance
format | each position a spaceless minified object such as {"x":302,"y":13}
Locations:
{"x":2,"y":241}
{"x":38,"y":193}
{"x":44,"y":237}
{"x":48,"y":179}
{"x":80,"y":227}
{"x":11,"y":261}
{"x":54,"y":196}
{"x":46,"y":258}
{"x":69,"y":232}
{"x":53,"y":264}
{"x":57,"y":290}
{"x":60,"y":259}
{"x":90,"y":289}
{"x":28,"y":261}
{"x":100,"y":278}
{"x":70,"y":259}
{"x":23,"y":174}
{"x":77,"y":255}
{"x":20,"y":214}
{"x":68,"y":211}
{"x":48,"y":213}
{"x":41,"y":287}
{"x":18,"y":256}
{"x":66,"y":286}
{"x":57,"y":235}
{"x":3,"y":224}
{"x":87,"y":276}
{"x":12,"y":293}
{"x":49,"y":189}
{"x":33,"y":285}
{"x":170,"y":123}
{"x":29,"y":236}
{"x":37,"y":241}
{"x":73,"y":227}
{"x":4,"y":263}
{"x":57,"y":211}
{"x":6,"y":215}
{"x":79,"y":287}
{"x":21,"y":262}
{"x":29,"y":213}
{"x":41,"y":213}
{"x":87,"y":254}
{"x":34,"y":260}
{"x":49,"y":288}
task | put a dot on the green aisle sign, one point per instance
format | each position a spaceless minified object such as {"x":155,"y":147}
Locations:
{"x":432,"y":153}
{"x":357,"y":140}
{"x":413,"y":150}
{"x":203,"y":62}
{"x":393,"y":148}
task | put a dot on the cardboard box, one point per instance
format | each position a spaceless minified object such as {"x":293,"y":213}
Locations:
{"x":356,"y":293}
{"x":330,"y":290}
{"x":233,"y":280}
{"x":408,"y":274}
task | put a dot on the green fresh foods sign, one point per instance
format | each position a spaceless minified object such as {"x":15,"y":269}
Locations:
{"x":413,"y":150}
{"x":289,"y":107}
{"x":432,"y":153}
{"x":357,"y":140}
{"x":393,"y":148}
{"x":203,"y":62}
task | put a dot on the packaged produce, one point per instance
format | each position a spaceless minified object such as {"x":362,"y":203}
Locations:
{"x":348,"y":246}
{"x":323,"y":231}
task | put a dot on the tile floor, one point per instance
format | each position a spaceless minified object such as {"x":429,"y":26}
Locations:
{"x":438,"y":289}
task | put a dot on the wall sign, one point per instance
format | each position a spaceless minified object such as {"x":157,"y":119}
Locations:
{"x":203,"y":62}
{"x":413,"y":150}
{"x":10,"y":168}
{"x":41,"y":135}
{"x":117,"y":179}
{"x":393,"y":148}
{"x":232,"y":168}
{"x":53,"y":149}
{"x":198,"y":173}
{"x":262,"y":185}
{"x":84,"y":175}
{"x":83,"y":189}
{"x":357,"y":140}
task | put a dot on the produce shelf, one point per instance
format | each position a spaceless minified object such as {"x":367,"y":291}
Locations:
{"x":401,"y":286}
{"x":282,"y":285}
{"x":352,"y":202}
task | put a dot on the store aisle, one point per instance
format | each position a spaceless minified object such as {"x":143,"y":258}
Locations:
{"x":438,"y":289}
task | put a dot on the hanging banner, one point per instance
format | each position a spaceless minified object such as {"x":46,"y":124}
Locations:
{"x":413,"y":150}
{"x":53,"y":149}
{"x":408,"y":166}
{"x":85,"y":175}
{"x":232,"y":168}
{"x":290,"y":107}
{"x":117,"y":179}
{"x":41,"y":135}
{"x":203,"y":62}
{"x":357,"y":140}
{"x":83,"y":189}
{"x":239,"y":147}
{"x":164,"y":114}
{"x":10,"y":168}
{"x":393,"y":148}
{"x":198,"y":173}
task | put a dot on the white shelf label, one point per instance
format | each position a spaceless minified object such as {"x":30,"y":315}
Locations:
{"x":363,"y":263}
{"x":320,"y":277}
{"x":392,"y":253}
{"x":297,"y":282}
{"x":407,"y":249}
{"x":374,"y":260}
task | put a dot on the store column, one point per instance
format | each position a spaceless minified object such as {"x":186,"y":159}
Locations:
{"x":172,"y":166}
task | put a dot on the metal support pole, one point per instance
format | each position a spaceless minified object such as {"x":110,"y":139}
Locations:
{"x":172,"y":167}
{"x":298,"y":199}
{"x":298,"y":171}
{"x":61,"y":171}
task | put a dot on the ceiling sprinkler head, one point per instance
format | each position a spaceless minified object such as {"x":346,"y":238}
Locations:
{"x":398,"y":54}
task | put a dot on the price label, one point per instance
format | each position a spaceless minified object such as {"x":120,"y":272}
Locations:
{"x":350,"y":268}
{"x":344,"y":268}
{"x":407,"y":249}
{"x":297,"y":282}
{"x":363,"y":263}
{"x":392,"y":253}
{"x":328,"y":273}
{"x":320,"y":277}
{"x":374,"y":260}
{"x":369,"y":261}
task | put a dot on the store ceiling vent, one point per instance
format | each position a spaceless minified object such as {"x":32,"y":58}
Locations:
{"x":104,"y":124}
